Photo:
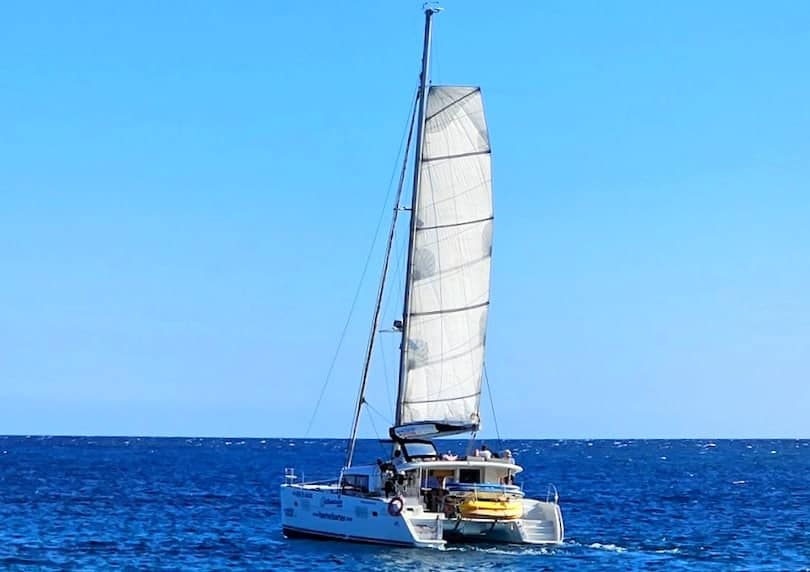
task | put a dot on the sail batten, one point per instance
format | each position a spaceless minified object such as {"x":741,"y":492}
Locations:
{"x":452,"y":224}
{"x":450,"y":272}
{"x":450,"y":310}
{"x":457,"y":156}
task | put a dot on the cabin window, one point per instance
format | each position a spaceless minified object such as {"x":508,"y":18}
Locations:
{"x":356,"y":482}
{"x":469,"y":476}
{"x":419,"y":450}
{"x":435,"y":478}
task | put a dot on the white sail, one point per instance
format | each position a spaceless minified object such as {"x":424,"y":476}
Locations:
{"x":451,"y":263}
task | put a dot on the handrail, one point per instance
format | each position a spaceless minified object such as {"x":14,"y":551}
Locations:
{"x":484,"y":488}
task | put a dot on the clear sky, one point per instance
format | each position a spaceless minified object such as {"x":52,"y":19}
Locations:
{"x":189,"y":190}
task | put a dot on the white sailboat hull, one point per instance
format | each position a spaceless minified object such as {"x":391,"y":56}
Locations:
{"x":322,"y":511}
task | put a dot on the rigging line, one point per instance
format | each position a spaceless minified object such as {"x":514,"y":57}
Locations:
{"x":361,"y":393}
{"x":374,"y":427}
{"x":377,"y":411}
{"x":385,"y":311}
{"x":342,"y":337}
{"x":395,"y":292}
{"x":376,"y":433}
{"x":400,"y":247}
{"x":492,"y":405}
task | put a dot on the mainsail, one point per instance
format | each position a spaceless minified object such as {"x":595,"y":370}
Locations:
{"x":450,"y":268}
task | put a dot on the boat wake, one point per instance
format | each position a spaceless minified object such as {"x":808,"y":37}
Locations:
{"x":617,"y":549}
{"x":516,"y":550}
{"x":608,"y":547}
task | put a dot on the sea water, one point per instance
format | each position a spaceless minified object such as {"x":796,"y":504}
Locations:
{"x":99,"y":503}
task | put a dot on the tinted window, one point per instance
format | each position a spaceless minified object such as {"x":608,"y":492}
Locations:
{"x":419,"y":450}
{"x":469,"y":476}
{"x":357,"y":482}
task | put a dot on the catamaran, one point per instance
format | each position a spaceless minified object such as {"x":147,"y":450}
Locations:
{"x":419,"y":497}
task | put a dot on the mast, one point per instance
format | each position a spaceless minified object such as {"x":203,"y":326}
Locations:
{"x":417,"y":168}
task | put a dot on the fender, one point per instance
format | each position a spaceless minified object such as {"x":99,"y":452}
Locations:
{"x":395,"y":506}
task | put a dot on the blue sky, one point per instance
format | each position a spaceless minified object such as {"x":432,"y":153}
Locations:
{"x":188,"y":192}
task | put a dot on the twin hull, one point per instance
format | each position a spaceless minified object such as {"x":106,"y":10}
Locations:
{"x":321,"y":511}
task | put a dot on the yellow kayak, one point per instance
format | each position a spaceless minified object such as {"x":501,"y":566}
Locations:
{"x":473,"y":508}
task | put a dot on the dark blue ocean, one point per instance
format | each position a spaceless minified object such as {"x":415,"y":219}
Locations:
{"x":103,"y":503}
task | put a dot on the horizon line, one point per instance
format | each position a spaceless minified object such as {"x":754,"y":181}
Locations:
{"x":287,"y":438}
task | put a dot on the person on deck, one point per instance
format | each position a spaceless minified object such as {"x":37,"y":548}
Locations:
{"x":485,"y":452}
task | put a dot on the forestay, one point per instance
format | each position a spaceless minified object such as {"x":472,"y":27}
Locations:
{"x":449,"y":281}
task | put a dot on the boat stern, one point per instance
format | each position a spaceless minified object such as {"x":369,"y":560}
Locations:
{"x":542,"y":522}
